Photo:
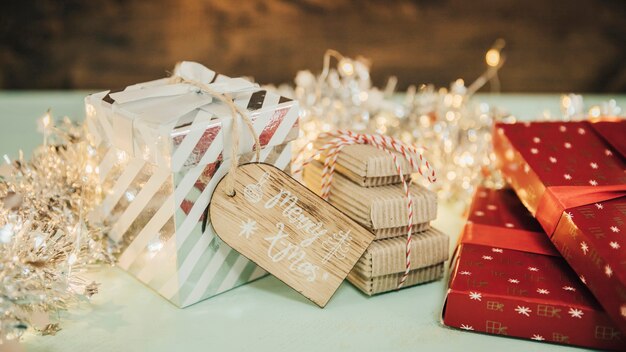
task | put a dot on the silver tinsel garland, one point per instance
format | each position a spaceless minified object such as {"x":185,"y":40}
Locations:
{"x":454,"y":129}
{"x":449,"y":123}
{"x":45,"y":241}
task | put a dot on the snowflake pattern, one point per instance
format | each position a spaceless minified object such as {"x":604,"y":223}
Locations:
{"x":608,"y":271}
{"x":584,"y":247}
{"x":467,"y":327}
{"x":582,"y":279}
{"x":523,"y":310}
{"x":491,"y":207}
{"x":466,"y":273}
{"x":575,"y":313}
{"x":476,"y":296}
{"x":591,"y":179}
{"x":247,"y":228}
{"x":479,"y":213}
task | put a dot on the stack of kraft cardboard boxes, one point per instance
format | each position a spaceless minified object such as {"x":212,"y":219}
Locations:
{"x":367,"y":188}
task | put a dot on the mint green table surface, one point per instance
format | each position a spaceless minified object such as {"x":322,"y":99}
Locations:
{"x":265,"y":315}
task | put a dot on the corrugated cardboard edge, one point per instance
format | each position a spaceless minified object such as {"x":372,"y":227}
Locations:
{"x":375,"y":285}
{"x":368,"y":166}
{"x":384,"y":257}
{"x":376,"y":208}
{"x":382,"y":234}
{"x":364,"y":181}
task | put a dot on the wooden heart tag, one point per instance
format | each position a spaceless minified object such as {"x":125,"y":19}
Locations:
{"x":288,"y":230}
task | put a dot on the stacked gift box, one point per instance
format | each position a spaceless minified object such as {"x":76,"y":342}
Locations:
{"x":163,"y":147}
{"x":571,"y":177}
{"x":506,"y":278}
{"x":367,"y":188}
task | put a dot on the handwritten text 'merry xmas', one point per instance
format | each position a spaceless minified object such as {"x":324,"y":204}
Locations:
{"x":294,"y":252}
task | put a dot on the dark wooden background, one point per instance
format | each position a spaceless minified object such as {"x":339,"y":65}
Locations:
{"x":552,"y":46}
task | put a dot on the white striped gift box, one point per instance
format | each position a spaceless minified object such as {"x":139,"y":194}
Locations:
{"x":163,"y":148}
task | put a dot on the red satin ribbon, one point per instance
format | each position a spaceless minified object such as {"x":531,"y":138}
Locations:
{"x":505,"y":238}
{"x":558,"y":199}
{"x":612,"y":130}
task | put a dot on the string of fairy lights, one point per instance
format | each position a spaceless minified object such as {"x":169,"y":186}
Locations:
{"x":47,"y":242}
{"x":454,"y":129}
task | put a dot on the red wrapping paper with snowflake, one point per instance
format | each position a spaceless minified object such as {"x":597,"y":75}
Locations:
{"x":508,"y":279}
{"x":572,"y":178}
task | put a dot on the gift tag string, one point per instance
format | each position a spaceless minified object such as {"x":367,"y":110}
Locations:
{"x":235,"y":110}
{"x":340,"y":139}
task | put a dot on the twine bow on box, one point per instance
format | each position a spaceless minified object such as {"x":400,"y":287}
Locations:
{"x":192,"y":86}
{"x":234,"y":110}
{"x":150,"y":110}
{"x":341,"y":138}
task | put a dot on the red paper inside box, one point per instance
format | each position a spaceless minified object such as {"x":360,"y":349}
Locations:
{"x":508,"y":279}
{"x":572,"y":177}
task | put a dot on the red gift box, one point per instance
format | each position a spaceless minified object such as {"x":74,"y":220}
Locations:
{"x":572,"y":178}
{"x":508,"y":279}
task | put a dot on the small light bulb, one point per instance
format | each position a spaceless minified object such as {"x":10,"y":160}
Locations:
{"x":595,"y":111}
{"x":46,"y":120}
{"x":566,"y":101}
{"x":493,"y":57}
{"x":346,"y":67}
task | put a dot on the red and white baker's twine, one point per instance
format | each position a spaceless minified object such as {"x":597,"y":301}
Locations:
{"x":341,"y":138}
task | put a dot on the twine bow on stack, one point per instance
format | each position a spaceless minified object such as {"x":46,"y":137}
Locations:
{"x":341,"y":138}
{"x":235,"y":112}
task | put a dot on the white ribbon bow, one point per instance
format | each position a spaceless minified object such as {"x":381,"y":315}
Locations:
{"x":160,"y":103}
